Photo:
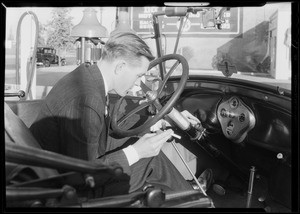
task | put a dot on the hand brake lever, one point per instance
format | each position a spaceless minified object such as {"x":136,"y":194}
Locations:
{"x":184,"y":162}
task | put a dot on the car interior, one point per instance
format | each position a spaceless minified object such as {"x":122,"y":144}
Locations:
{"x":245,"y":137}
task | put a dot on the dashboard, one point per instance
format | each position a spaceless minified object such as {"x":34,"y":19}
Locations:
{"x":242,"y":113}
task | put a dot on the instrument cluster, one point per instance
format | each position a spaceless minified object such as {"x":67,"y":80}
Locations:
{"x":236,"y":119}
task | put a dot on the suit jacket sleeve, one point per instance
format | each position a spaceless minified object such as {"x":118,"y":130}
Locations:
{"x":84,"y":133}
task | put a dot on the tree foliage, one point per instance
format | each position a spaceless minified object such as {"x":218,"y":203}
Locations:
{"x":59,"y":29}
{"x":41,"y":36}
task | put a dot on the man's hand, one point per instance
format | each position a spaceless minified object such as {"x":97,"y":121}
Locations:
{"x":150,"y":144}
{"x":159,"y":125}
{"x":191,"y":118}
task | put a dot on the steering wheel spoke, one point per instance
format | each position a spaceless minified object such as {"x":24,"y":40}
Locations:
{"x":134,"y":111}
{"x":161,"y":87}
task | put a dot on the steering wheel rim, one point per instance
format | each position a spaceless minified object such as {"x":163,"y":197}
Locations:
{"x":165,"y":109}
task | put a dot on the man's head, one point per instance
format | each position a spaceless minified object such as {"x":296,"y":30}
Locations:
{"x":127,"y":56}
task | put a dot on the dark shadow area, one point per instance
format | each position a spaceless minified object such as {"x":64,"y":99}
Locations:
{"x":248,"y":51}
{"x":19,"y":138}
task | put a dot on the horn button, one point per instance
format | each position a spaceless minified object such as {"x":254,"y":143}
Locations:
{"x":236,"y":119}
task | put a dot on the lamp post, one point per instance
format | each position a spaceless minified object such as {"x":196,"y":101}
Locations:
{"x":90,"y":32}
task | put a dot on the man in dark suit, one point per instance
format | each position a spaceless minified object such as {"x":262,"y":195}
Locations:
{"x":72,"y":119}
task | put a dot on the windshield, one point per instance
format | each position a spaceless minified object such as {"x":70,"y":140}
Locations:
{"x":249,"y":43}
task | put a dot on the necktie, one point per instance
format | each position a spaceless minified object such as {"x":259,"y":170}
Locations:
{"x":107,"y":117}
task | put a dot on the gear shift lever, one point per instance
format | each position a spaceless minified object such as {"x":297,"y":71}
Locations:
{"x":250,"y":187}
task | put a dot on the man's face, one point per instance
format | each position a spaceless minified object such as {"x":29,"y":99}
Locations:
{"x":128,"y":75}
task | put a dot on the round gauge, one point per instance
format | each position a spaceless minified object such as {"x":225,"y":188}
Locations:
{"x":223,"y":112}
{"x":234,"y":103}
{"x":242,"y":117}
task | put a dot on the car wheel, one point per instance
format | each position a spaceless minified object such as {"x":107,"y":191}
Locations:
{"x":63,"y":62}
{"x":47,"y":63}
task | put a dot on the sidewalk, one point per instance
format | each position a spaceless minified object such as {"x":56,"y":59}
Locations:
{"x":55,"y":68}
{"x":52,"y":68}
{"x":45,"y":79}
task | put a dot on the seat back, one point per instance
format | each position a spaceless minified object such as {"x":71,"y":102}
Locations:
{"x":27,"y":110}
{"x":16,"y":131}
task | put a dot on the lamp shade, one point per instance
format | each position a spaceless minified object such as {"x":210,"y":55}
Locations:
{"x":89,"y":26}
{"x":123,"y":24}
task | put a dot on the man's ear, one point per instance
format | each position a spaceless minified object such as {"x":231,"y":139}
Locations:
{"x":120,"y":66}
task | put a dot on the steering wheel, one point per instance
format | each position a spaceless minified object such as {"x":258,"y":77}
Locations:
{"x":152,"y":98}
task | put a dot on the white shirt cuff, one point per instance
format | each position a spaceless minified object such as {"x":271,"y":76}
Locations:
{"x":131,"y":154}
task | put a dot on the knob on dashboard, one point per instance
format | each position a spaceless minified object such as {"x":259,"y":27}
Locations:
{"x":209,"y":119}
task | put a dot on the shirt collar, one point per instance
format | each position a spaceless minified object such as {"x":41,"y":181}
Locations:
{"x":105,"y":84}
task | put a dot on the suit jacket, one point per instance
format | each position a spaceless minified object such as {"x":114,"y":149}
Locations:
{"x":72,"y":119}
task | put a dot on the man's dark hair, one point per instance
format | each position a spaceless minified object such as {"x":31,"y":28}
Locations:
{"x":128,"y":46}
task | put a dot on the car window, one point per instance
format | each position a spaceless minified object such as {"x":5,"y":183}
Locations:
{"x":252,"y":43}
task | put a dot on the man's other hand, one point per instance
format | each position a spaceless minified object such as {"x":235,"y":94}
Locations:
{"x":191,"y":118}
{"x":150,"y":144}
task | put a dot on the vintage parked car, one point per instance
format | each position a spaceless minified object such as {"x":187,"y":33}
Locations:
{"x":245,"y":136}
{"x":47,"y":56}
